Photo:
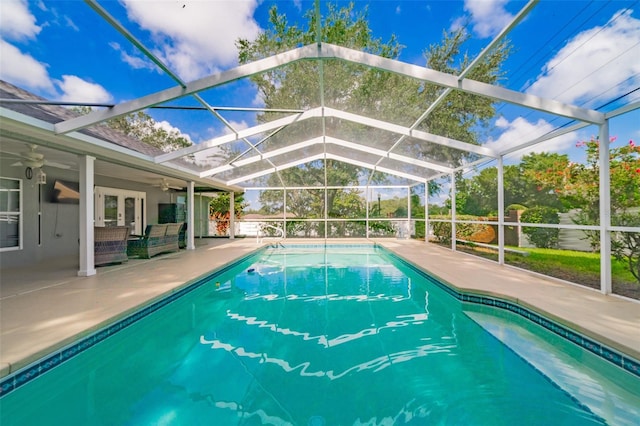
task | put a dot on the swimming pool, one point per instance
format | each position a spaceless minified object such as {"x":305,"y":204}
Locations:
{"x":304,"y":335}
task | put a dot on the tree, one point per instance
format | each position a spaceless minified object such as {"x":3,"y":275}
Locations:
{"x":523,"y":185}
{"x":541,"y":237}
{"x":579,"y":185}
{"x":219,"y":210}
{"x":534,"y":192}
{"x":144,"y":128}
{"x":364,"y":91}
{"x":626,"y":245}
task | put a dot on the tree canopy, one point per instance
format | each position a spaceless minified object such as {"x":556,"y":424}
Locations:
{"x":143,"y":127}
{"x":365,"y":91}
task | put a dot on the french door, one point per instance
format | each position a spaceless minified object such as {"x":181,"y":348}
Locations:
{"x":120,"y":207}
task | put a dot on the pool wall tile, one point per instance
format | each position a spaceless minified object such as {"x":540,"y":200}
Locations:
{"x":608,"y":354}
{"x":20,"y":377}
{"x":14,"y":380}
{"x":631,"y":366}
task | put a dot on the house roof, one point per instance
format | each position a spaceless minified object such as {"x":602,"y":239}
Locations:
{"x":98,"y":140}
{"x":54,"y":114}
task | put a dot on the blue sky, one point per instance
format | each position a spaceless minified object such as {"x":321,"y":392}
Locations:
{"x":579,"y":52}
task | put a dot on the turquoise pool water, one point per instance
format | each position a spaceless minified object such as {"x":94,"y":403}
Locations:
{"x":304,"y":336}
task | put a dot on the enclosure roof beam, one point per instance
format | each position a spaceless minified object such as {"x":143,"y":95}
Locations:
{"x":325,"y":140}
{"x":263,"y":156}
{"x":245,"y":133}
{"x":514,"y":22}
{"x":276,"y":169}
{"x":329,"y":51}
{"x":315,"y":157}
{"x":553,"y":134}
{"x":329,"y":112}
{"x":466,"y":85}
{"x":623,"y":110}
{"x":407,"y":131}
{"x":375,"y":168}
{"x":173,"y":93}
{"x":385,"y":154}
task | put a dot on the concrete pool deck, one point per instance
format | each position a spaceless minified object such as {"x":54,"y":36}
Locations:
{"x":46,"y":307}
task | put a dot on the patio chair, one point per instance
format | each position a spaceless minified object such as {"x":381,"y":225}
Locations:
{"x":110,"y":244}
{"x":161,"y":238}
{"x":182,"y":236}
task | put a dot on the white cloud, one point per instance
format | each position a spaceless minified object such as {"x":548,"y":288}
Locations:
{"x":520,"y":131}
{"x":215,"y":156}
{"x":169,"y":128}
{"x":69,"y":23}
{"x":458,"y":23}
{"x":212,"y":157}
{"x":16,"y":22}
{"x":23,"y":70}
{"x":134,"y":60}
{"x":195,"y":38}
{"x":258,"y":100}
{"x":75,"y":89}
{"x":237,"y":126}
{"x":488,"y":17}
{"x":597,"y":60}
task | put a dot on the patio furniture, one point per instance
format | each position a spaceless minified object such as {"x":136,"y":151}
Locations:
{"x":182,"y":236}
{"x":110,"y":244}
{"x":161,"y":238}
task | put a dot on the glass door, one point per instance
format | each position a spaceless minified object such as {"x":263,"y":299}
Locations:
{"x":120,"y":207}
{"x":130,"y":216}
{"x":111,"y":210}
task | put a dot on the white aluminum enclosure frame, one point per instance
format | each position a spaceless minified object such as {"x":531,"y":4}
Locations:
{"x":320,"y":52}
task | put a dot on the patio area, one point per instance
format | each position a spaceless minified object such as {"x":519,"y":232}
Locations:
{"x":47,"y":307}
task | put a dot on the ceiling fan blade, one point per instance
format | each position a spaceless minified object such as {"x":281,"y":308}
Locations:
{"x":57,"y":165}
{"x":34,"y":164}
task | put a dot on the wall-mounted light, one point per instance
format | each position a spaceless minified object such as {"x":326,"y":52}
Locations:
{"x":41,"y":177}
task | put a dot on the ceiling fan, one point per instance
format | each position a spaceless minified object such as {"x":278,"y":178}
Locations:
{"x":165,"y":185}
{"x":35,"y":159}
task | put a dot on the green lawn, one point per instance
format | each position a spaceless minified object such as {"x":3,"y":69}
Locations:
{"x":575,"y":266}
{"x":579,"y":261}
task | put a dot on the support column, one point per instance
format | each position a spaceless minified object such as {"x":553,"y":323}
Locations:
{"x":426,"y":212}
{"x":190,"y":216}
{"x":605,"y":210}
{"x":409,"y":212}
{"x":501,"y":210}
{"x":366,"y":218}
{"x":86,"y":235}
{"x":453,"y":211}
{"x":326,"y":223}
{"x":232,"y":215}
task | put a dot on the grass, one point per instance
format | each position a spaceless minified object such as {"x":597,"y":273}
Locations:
{"x":578,"y":261}
{"x":574,"y":266}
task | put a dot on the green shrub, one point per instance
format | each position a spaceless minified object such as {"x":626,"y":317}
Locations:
{"x":541,"y":237}
{"x":515,"y":207}
{"x":464,"y":231}
{"x":626,"y":245}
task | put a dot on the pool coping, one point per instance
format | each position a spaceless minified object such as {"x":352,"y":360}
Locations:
{"x":536,"y":315}
{"x":49,"y":358}
{"x":88,"y":338}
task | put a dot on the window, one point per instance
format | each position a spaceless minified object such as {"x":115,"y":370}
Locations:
{"x":10,"y":214}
